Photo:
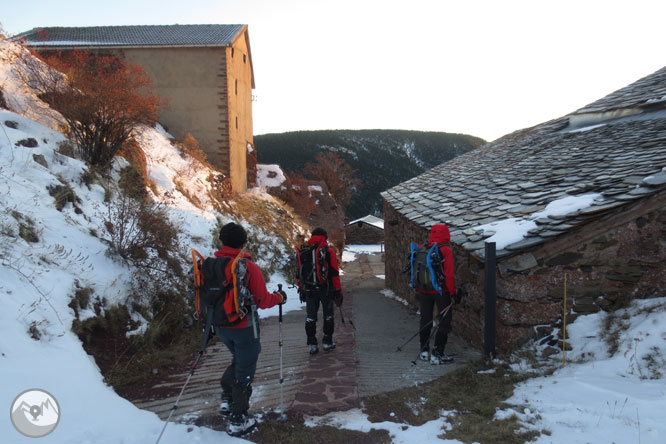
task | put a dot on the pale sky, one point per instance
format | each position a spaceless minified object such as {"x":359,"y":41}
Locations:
{"x":485,"y":68}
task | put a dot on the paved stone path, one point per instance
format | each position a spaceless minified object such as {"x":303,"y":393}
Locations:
{"x":365,"y":361}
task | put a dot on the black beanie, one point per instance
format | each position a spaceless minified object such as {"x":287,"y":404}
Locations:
{"x":233,"y":235}
{"x":320,"y":232}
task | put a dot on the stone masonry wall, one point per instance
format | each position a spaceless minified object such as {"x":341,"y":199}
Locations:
{"x":398,"y":233}
{"x":362,"y":233}
{"x":604,"y":269}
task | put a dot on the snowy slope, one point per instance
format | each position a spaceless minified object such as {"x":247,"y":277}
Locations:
{"x":37,"y":279}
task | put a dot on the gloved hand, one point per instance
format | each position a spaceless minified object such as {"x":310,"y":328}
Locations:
{"x":301,"y":296}
{"x":337,"y":297}
{"x":457,"y":297}
{"x":284,"y":296}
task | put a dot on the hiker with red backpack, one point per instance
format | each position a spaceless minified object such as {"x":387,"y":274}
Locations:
{"x":239,"y":333}
{"x":319,"y":284}
{"x":433,"y":280}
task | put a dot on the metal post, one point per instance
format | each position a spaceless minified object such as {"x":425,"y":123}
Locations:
{"x":491,"y":300}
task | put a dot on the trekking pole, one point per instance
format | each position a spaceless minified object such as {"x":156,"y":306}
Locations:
{"x":204,"y":342}
{"x":434,"y":330}
{"x":342,"y":317}
{"x":441,"y":313}
{"x":415,"y":335}
{"x":283,"y":416}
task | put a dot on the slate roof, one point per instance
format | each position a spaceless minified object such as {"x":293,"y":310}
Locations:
{"x":623,"y":158}
{"x":126,"y":36}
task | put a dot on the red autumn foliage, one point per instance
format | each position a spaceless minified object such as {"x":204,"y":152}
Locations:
{"x":101,"y":97}
{"x":336,"y":174}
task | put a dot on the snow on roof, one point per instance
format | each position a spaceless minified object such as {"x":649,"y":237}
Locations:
{"x":369,"y":219}
{"x":269,"y":176}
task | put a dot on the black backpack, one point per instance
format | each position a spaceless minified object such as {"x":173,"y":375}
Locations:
{"x":313,"y":268}
{"x":229,"y":301}
{"x":426,"y":268}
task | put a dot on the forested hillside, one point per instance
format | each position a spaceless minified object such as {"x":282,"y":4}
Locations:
{"x":382,"y":158}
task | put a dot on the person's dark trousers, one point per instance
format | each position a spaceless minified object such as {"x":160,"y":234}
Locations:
{"x":237,"y":378}
{"x":427,"y":303}
{"x":314,"y":298}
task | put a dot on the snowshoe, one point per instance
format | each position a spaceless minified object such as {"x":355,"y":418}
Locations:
{"x":314,"y":349}
{"x":424,"y":356}
{"x":329,"y":346}
{"x":440,"y":358}
{"x":241,"y":425}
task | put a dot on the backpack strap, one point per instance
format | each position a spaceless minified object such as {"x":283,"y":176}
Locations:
{"x":317,"y":253}
{"x":198,"y":261}
{"x":413,"y":247}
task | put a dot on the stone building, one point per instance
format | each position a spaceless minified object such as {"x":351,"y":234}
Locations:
{"x":610,"y":156}
{"x":204,"y":71}
{"x":367,"y":230}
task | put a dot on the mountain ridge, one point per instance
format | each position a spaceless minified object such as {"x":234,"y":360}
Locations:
{"x":382,"y":157}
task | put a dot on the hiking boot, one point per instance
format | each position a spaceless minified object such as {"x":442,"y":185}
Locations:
{"x":424,"y":356}
{"x":329,"y":346}
{"x":225,"y":406}
{"x":439,"y":358}
{"x":314,"y":349}
{"x":241,"y":424}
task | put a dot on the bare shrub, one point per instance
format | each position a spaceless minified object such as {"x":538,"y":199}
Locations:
{"x":220,"y":189}
{"x":190,"y":146}
{"x":295,"y":192}
{"x":141,"y":233}
{"x":336,"y":173}
{"x":133,"y":153}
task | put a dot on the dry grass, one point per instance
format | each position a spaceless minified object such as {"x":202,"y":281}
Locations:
{"x":293,"y":431}
{"x":473,"y":396}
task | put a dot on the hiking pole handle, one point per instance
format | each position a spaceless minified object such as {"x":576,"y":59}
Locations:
{"x":280,"y":306}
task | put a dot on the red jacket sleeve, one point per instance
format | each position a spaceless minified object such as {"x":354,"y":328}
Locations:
{"x":335,"y":270}
{"x":449,"y":269}
{"x":257,"y":287}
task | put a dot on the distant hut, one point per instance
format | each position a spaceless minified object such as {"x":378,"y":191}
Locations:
{"x":366,"y":230}
{"x":588,"y":191}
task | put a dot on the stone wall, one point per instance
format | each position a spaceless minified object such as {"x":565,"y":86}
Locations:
{"x":607,"y":263}
{"x":364,"y":234}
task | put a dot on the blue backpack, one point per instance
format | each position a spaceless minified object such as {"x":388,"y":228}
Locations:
{"x":426,"y":268}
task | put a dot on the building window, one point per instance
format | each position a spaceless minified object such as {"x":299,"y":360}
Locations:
{"x":236,"y":122}
{"x":244,"y":57}
{"x":232,"y":52}
{"x":236,"y":86}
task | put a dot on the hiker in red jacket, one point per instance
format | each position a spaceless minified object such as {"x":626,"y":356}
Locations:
{"x":439,"y":235}
{"x":325,"y":292}
{"x":240,"y":339}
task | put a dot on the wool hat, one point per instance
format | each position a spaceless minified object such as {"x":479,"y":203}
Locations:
{"x":233,"y":235}
{"x":320,"y":232}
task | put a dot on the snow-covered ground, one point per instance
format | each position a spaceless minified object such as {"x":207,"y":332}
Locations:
{"x":352,"y":250}
{"x":595,"y":398}
{"x":38,"y":279}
